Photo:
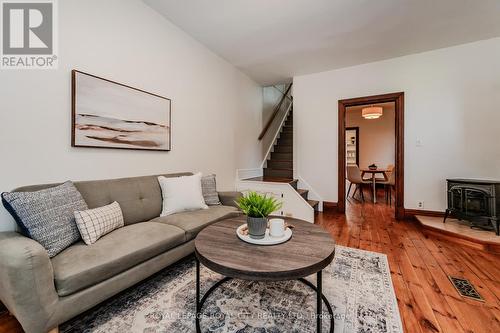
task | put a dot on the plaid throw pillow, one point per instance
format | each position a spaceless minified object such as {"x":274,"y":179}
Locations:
{"x":47,"y":215}
{"x":97,"y":222}
{"x":209,"y":190}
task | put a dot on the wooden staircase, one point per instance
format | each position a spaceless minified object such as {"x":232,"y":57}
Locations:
{"x":280,"y":166}
{"x":281,"y":162}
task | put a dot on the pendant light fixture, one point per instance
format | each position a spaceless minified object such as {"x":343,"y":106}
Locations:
{"x":372,"y":112}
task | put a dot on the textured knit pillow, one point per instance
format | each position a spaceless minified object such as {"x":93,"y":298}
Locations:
{"x":209,"y":190}
{"x":181,"y":194}
{"x":97,"y":222}
{"x":47,"y":215}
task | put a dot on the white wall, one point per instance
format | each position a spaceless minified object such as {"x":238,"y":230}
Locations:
{"x":216,"y":110}
{"x":377,"y":137}
{"x":452,"y":104}
{"x":270,"y":98}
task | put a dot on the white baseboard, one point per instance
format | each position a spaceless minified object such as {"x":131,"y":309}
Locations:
{"x":249,"y":173}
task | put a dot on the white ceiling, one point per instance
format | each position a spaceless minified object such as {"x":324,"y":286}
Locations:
{"x":274,"y":40}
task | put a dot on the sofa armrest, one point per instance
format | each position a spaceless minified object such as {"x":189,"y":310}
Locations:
{"x":228,"y":198}
{"x":27,"y":281}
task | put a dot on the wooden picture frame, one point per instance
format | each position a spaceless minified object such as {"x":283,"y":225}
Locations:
{"x":108,"y":114}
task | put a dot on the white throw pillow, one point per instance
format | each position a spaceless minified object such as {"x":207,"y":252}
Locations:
{"x":97,"y":222}
{"x":181,"y":194}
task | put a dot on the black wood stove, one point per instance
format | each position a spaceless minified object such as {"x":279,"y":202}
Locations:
{"x":476,"y":201}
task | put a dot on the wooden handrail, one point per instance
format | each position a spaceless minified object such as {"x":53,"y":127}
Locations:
{"x":275,"y":112}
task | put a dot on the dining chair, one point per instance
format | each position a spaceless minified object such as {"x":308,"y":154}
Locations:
{"x":354,"y":177}
{"x":389,"y":169}
{"x":389,"y":185}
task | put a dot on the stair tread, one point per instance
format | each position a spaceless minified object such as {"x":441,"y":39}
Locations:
{"x":287,"y":169}
{"x":302,"y":191}
{"x":313,"y":203}
{"x":283,"y":164}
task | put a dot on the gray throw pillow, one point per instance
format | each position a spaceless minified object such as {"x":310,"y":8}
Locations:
{"x":209,"y":190}
{"x":47,"y":216}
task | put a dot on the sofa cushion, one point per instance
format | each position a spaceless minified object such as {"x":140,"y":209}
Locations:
{"x":97,"y":222}
{"x":194,"y":221}
{"x":209,"y":189}
{"x":181,"y":194}
{"x":47,"y":215}
{"x":81,"y":266}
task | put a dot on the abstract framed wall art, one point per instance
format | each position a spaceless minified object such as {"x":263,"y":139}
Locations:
{"x":107,"y":114}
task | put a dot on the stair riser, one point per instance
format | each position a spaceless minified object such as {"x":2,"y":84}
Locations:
{"x":286,"y":135}
{"x":279,"y":164}
{"x":283,"y":149}
{"x":294,"y":184}
{"x":282,"y":156}
{"x":278,"y":173}
{"x":285,"y":142}
{"x":304,"y":194}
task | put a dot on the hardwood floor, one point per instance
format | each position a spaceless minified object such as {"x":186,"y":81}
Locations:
{"x":9,"y":324}
{"x":420,"y":266}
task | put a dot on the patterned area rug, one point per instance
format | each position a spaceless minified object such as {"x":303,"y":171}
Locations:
{"x":357,"y":284}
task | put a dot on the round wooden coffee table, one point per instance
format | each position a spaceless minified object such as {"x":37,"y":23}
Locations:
{"x":308,"y":252}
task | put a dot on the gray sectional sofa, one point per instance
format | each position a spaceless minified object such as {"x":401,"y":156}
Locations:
{"x":43,"y":293}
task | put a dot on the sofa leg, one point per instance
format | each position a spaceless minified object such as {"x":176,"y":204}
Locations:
{"x":54,"y":330}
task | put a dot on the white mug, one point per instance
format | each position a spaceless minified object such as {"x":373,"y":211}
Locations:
{"x":276,"y":227}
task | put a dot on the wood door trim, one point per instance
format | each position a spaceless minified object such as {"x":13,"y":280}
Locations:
{"x":398,"y":99}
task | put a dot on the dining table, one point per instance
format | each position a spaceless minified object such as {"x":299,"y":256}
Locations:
{"x":373,"y":173}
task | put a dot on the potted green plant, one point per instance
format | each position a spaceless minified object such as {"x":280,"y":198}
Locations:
{"x":257,"y":208}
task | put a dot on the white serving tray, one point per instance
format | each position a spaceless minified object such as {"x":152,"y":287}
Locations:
{"x":267,"y":240}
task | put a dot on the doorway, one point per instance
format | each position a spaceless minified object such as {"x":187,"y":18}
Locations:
{"x":398,"y":100}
